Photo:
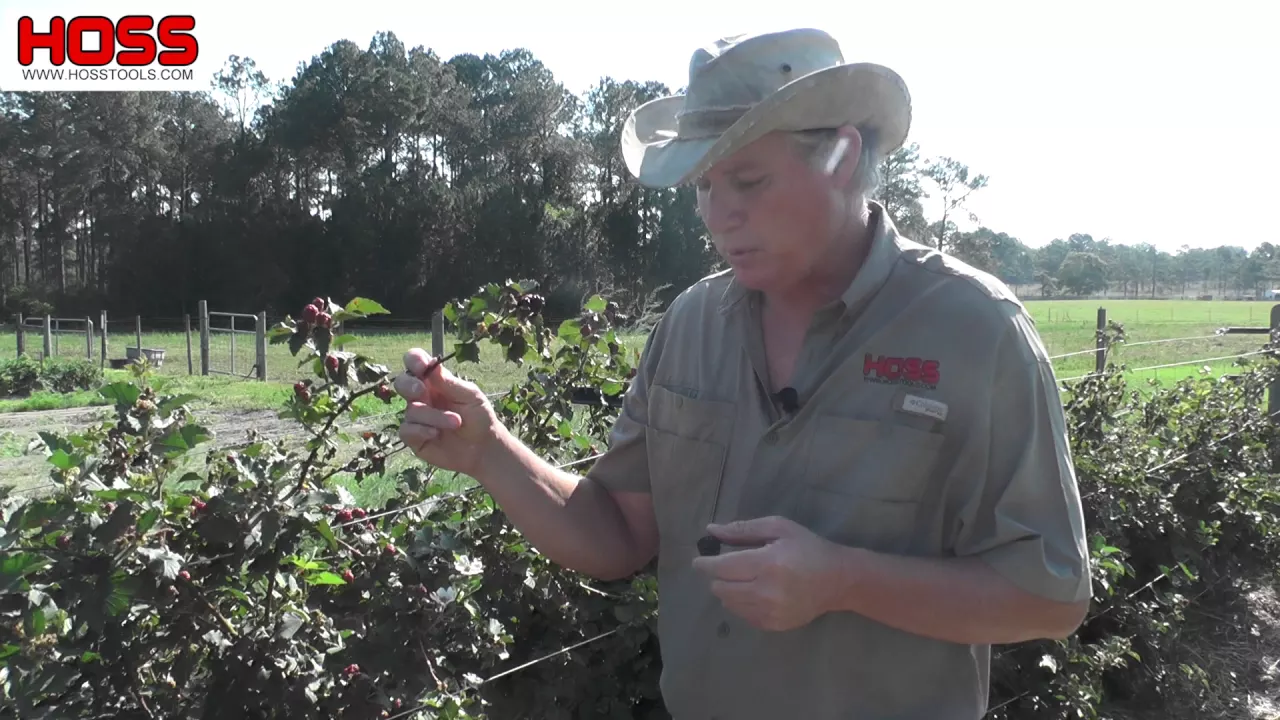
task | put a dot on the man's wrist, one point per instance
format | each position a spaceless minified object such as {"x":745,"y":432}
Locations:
{"x":846,"y":570}
{"x":494,"y":458}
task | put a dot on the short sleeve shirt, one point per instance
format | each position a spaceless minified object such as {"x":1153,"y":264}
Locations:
{"x":929,"y":424}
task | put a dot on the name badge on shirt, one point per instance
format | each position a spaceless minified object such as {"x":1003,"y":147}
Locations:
{"x":925,"y":406}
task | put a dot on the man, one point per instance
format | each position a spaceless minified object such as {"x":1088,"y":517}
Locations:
{"x":871,"y":428}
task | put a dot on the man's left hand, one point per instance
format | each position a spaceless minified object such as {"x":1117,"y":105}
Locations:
{"x":781,"y":585}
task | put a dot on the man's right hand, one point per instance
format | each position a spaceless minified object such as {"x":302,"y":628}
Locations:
{"x":449,"y":422}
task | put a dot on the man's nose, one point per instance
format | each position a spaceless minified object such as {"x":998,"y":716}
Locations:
{"x":719,"y":211}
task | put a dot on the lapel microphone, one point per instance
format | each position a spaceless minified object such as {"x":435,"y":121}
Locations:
{"x":789,"y":399}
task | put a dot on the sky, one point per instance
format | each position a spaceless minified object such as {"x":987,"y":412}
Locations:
{"x":1132,"y":120}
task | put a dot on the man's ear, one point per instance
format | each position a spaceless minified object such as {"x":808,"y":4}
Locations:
{"x":842,"y":161}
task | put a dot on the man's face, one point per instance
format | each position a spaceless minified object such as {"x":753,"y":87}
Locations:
{"x":770,"y":212}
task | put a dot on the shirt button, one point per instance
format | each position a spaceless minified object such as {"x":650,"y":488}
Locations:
{"x":723,"y":629}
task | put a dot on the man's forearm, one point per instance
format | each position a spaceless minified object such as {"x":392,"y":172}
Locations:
{"x":571,"y":520}
{"x":960,"y":600}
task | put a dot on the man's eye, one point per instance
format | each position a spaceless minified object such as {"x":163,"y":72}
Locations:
{"x":748,"y":183}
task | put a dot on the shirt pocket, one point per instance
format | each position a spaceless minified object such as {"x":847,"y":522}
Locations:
{"x":687,"y":442}
{"x":865,"y":480}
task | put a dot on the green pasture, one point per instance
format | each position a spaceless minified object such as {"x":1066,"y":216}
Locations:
{"x":1185,"y":331}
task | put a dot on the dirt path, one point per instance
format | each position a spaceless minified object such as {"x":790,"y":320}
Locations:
{"x":17,"y":430}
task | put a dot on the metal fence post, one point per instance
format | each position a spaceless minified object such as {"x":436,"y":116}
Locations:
{"x":88,"y":338}
{"x":48,"y":337}
{"x":22,"y":336}
{"x":1100,"y":359}
{"x":137,"y":333}
{"x":261,"y":338}
{"x":186,"y":323}
{"x":102,"y":320}
{"x":203,"y":310}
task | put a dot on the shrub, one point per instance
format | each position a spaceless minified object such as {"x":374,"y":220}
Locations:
{"x":18,"y":377}
{"x":65,"y":375}
{"x":256,"y":586}
{"x":251,"y":586}
{"x":23,"y":376}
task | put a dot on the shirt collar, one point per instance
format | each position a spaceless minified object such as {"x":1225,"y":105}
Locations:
{"x":876,"y":267}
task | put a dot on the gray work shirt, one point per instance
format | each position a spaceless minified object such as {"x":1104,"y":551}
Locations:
{"x":930,"y":424}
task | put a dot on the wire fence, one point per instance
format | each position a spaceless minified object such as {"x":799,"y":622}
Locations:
{"x":210,"y":341}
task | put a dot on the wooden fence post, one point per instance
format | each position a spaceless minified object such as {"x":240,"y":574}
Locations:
{"x":102,"y":320}
{"x":88,"y":338}
{"x":437,"y":334}
{"x":1100,"y":359}
{"x":186,"y":323}
{"x":22,"y":336}
{"x":48,"y":337}
{"x":137,"y":333}
{"x":203,"y":310}
{"x":261,"y":337}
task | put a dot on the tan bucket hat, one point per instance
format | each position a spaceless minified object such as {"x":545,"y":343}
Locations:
{"x":743,"y":87}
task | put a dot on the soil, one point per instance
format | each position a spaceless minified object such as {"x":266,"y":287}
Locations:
{"x":229,"y":427}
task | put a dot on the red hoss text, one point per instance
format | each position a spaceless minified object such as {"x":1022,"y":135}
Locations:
{"x":911,"y":369}
{"x":128,"y":42}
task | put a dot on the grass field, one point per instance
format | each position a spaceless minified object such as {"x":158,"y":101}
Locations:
{"x":1185,"y":331}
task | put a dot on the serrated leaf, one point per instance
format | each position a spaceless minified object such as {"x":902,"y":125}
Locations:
{"x":61,"y":460}
{"x":596,"y":304}
{"x":325,"y":578}
{"x":289,"y":625}
{"x":569,"y":330}
{"x":297,"y":341}
{"x":169,"y":404}
{"x":148,"y":520}
{"x":162,"y":561}
{"x":124,"y":394}
{"x":365,"y":306}
{"x":468,"y":352}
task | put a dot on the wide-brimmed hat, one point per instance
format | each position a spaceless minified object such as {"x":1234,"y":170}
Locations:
{"x":743,"y":87}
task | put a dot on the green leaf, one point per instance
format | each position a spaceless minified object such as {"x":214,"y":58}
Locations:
{"x":290,"y":623}
{"x":61,"y":460}
{"x":148,"y":520}
{"x":611,"y":387}
{"x":122,"y":393}
{"x":596,"y":304}
{"x":163,"y":562}
{"x":173,"y":402}
{"x":180,"y":441}
{"x":570,"y":331}
{"x":344,"y":340}
{"x":325,"y":578}
{"x":450,"y":313}
{"x":365,"y":306}
{"x":468,"y":352}
{"x":15,"y":566}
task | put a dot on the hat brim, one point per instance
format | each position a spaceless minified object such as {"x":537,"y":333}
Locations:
{"x":860,"y":94}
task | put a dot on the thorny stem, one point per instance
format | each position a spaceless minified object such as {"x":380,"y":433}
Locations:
{"x":346,"y":405}
{"x":324,"y":432}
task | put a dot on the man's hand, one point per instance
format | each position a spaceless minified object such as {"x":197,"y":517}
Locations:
{"x":449,"y":422}
{"x":781,"y":585}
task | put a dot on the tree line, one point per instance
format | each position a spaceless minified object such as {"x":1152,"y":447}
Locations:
{"x":393,"y":171}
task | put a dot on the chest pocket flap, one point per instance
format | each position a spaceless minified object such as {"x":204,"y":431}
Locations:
{"x":865,"y":479}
